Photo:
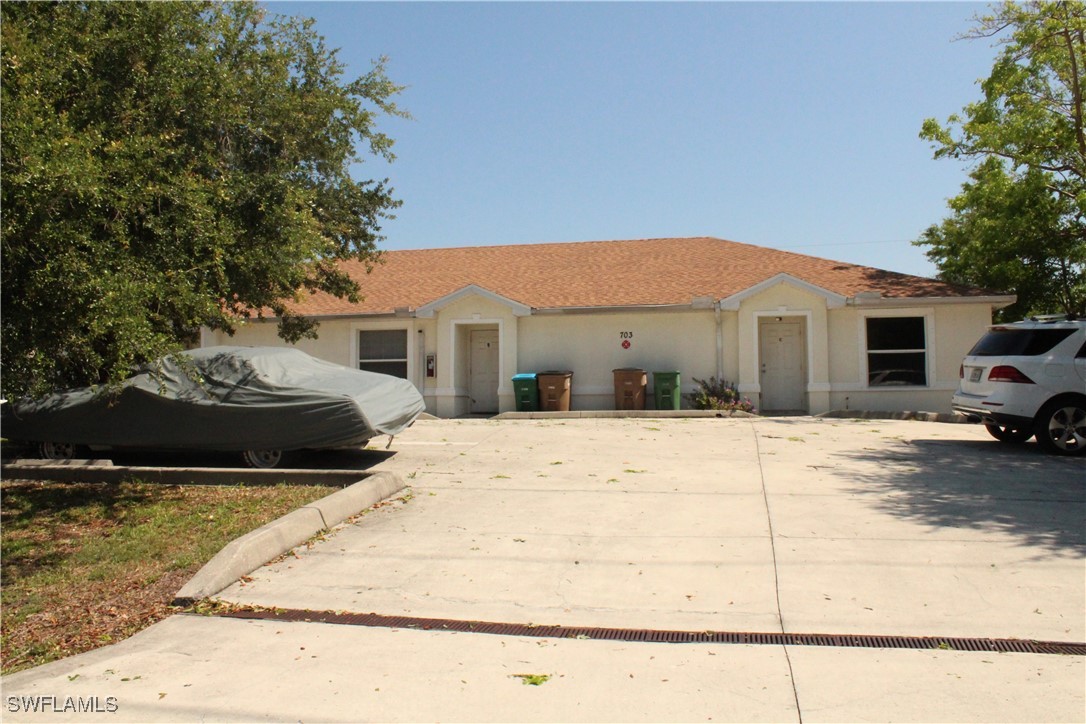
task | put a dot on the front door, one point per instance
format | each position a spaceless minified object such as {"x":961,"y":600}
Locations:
{"x":782,"y":356}
{"x":484,"y":370}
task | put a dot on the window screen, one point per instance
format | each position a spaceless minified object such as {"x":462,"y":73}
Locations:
{"x":896,"y":352}
{"x":383,"y":351}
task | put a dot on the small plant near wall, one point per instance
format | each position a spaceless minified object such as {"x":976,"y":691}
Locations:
{"x":714,"y":394}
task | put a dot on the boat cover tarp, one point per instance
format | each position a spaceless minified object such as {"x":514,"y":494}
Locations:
{"x":225,"y":398}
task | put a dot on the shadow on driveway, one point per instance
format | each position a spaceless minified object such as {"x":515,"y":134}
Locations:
{"x":337,"y":459}
{"x":980,"y":485}
{"x":353,"y":459}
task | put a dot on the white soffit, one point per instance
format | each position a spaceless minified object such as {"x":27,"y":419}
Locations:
{"x":997,"y":301}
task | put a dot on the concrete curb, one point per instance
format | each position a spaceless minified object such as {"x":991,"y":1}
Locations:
{"x":252,"y":550}
{"x":951,"y":417}
{"x":664,"y":414}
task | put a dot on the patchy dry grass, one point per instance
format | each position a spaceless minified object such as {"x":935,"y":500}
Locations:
{"x":87,"y":564}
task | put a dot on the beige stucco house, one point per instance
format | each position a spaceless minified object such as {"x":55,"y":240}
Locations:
{"x":794,"y":332}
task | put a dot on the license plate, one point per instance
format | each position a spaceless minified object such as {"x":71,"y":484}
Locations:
{"x":975,"y":373}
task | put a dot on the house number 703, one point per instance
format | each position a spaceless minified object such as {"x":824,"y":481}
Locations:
{"x":625,"y":335}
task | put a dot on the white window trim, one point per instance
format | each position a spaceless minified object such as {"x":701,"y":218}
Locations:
{"x":928,"y":314}
{"x":379,"y":326}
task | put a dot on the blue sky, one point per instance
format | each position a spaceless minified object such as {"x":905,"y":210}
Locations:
{"x":787,"y":125}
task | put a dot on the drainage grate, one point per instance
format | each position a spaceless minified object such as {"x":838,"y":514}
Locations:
{"x":1026,"y":646}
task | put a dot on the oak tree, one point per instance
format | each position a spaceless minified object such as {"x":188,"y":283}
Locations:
{"x":167,"y":166}
{"x":1019,"y":223}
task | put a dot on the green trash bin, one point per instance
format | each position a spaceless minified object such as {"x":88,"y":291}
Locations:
{"x":526,"y":390}
{"x":666,"y":390}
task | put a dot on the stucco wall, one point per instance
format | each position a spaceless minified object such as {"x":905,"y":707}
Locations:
{"x":591,"y":346}
{"x":332,"y":344}
{"x":337,"y":342}
{"x":951,"y":330}
{"x":786,"y":301}
{"x":452,"y":325}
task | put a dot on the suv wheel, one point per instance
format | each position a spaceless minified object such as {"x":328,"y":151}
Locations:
{"x":1061,"y":426}
{"x":1006,"y":433}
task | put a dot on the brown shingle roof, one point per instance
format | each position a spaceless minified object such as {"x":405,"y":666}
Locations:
{"x":607,"y":273}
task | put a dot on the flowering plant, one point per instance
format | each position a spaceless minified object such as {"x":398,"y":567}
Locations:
{"x":714,"y":394}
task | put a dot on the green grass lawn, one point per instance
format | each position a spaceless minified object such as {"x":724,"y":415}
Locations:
{"x":87,"y":564}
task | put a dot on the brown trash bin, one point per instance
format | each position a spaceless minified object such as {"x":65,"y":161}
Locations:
{"x":555,"y":391}
{"x":630,"y":386}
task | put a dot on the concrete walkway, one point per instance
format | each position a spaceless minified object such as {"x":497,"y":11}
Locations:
{"x":874,"y":527}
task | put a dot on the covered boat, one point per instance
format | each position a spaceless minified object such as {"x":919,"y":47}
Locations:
{"x":245,"y":399}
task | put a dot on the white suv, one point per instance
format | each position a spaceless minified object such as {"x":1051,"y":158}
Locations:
{"x":1026,"y":379}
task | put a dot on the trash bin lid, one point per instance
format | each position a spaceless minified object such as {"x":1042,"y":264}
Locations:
{"x":524,"y":376}
{"x":629,"y":369}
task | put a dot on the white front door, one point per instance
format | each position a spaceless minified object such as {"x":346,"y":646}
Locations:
{"x":484,"y":370}
{"x":782,"y":357}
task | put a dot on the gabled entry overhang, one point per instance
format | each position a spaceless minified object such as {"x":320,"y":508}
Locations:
{"x":863,"y":299}
{"x":427,"y":311}
{"x":732,"y":303}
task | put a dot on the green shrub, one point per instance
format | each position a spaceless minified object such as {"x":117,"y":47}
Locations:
{"x":714,"y":394}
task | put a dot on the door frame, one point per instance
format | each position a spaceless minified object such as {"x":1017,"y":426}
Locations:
{"x":471,"y":368}
{"x":457,"y":390}
{"x":805,"y":318}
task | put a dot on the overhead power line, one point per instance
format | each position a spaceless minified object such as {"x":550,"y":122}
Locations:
{"x":845,"y":243}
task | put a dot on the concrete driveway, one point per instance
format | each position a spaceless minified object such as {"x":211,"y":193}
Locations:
{"x":799,"y":525}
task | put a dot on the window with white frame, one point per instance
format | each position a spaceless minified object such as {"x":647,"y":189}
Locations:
{"x":897,"y":352}
{"x":384,"y":351}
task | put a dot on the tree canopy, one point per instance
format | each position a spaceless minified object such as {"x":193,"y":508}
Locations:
{"x":1019,"y":223}
{"x":167,"y":166}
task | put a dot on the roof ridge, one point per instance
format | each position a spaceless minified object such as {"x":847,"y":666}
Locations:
{"x":513,"y":247}
{"x":530,"y":244}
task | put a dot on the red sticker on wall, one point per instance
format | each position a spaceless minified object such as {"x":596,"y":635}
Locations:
{"x":625,"y":344}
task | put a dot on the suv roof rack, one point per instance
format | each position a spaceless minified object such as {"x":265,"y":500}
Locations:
{"x":1053,"y":318}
